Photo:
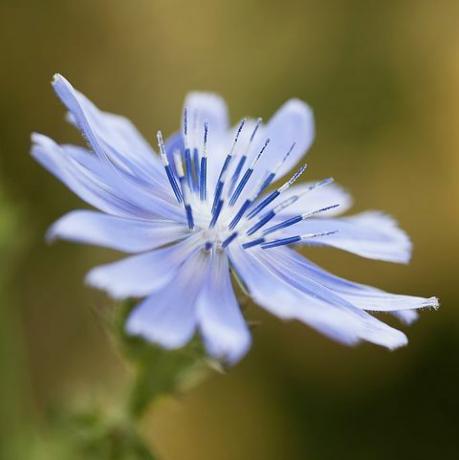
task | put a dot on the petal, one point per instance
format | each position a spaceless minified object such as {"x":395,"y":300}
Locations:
{"x":222,"y":325}
{"x":120,"y":233}
{"x":370,"y":234}
{"x":360,"y":295}
{"x":205,"y":108}
{"x":317,"y":198}
{"x":406,"y":316}
{"x":140,"y":275}
{"x":113,"y":138}
{"x":168,"y":317}
{"x":98,"y":183}
{"x":292,"y":123}
{"x":90,"y":189}
{"x":282,"y":292}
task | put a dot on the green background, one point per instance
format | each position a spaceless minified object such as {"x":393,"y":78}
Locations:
{"x":383,"y":80}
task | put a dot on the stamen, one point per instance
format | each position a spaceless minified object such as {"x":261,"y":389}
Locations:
{"x":293,"y":179}
{"x":250,"y":244}
{"x":246,"y":205}
{"x":216,"y":213}
{"x":187,"y":153}
{"x":247,"y":175}
{"x":281,"y":242}
{"x":243,"y":158}
{"x":263,"y":221}
{"x":185,"y":189}
{"x":196,"y":173}
{"x":265,"y":218}
{"x":189,"y":168}
{"x":271,"y":176}
{"x":222,"y":176}
{"x":236,"y":138}
{"x":203,"y":169}
{"x":165,"y":161}
{"x":295,"y":219}
{"x":275,"y":193}
{"x":229,"y":240}
{"x":294,"y":239}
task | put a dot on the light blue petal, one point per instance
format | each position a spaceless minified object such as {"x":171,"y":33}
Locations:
{"x":113,"y":138}
{"x":359,"y":295}
{"x":221,"y":323}
{"x":143,"y":274}
{"x":292,"y":123}
{"x":203,"y":108}
{"x":289,"y":297}
{"x":406,"y":316}
{"x":120,"y":233}
{"x":98,"y":184}
{"x":168,"y":317}
{"x":370,"y":234}
{"x":53,"y":158}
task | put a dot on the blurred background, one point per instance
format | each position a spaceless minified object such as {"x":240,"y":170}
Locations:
{"x":383,"y":80}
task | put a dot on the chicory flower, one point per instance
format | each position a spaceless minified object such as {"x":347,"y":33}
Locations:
{"x":218,"y":200}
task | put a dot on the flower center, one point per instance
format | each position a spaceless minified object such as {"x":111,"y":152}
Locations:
{"x":234,"y":208}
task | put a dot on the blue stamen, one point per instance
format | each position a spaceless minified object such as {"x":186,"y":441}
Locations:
{"x":281,"y":242}
{"x":189,"y":169}
{"x":247,"y":175}
{"x":189,"y":216}
{"x":246,"y":205}
{"x":173,"y":182}
{"x":203,"y":169}
{"x":228,"y":240}
{"x":253,"y":243}
{"x":286,"y":223}
{"x":216,"y":213}
{"x":185,"y":189}
{"x":267,"y":182}
{"x":274,"y":194}
{"x":241,"y":186}
{"x":167,"y":168}
{"x":295,"y":219}
{"x":217,"y":194}
{"x":237,"y":172}
{"x":203,"y":179}
{"x":243,"y":159}
{"x":221,"y":177}
{"x":196,"y":173}
{"x":263,"y":221}
{"x":270,"y":198}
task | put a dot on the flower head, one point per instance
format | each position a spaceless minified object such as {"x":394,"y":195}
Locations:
{"x":219,"y":199}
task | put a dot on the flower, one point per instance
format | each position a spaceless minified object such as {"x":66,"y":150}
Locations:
{"x":202,"y":209}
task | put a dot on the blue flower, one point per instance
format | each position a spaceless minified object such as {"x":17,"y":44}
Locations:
{"x":206,"y":207}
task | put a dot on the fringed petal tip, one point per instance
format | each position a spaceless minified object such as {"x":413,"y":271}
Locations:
{"x":56,"y":77}
{"x":389,"y":225}
{"x":371,"y":234}
{"x":432,"y":302}
{"x":59,"y":79}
